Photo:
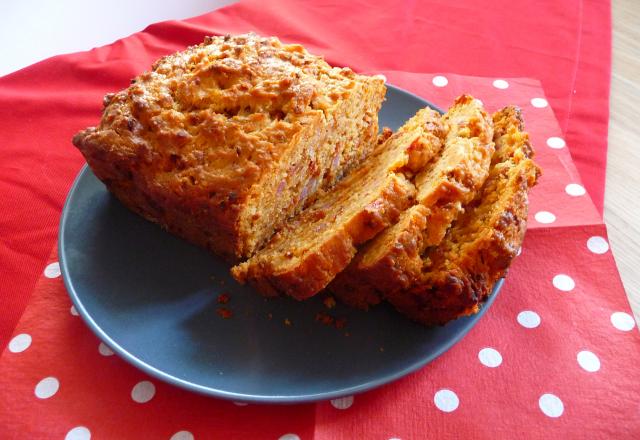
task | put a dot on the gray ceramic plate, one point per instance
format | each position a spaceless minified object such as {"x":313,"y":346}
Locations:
{"x":152,"y":298}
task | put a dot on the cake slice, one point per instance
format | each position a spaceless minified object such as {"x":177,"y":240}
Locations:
{"x":459,"y":274}
{"x":223,"y":142}
{"x":392,"y":261}
{"x":313,"y":247}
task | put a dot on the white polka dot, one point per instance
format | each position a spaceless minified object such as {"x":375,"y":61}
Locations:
{"x":78,"y":433}
{"x":394,"y":438}
{"x":52,"y":270}
{"x":597,"y":245}
{"x":528,"y":319}
{"x":539,"y":102}
{"x":143,"y":391}
{"x":500,"y":84}
{"x":563,"y":282}
{"x":440,"y":81}
{"x":490,"y":357}
{"x":20,"y":343}
{"x":575,"y":190}
{"x":182,"y":435}
{"x":556,"y":142}
{"x":104,"y":350}
{"x":240,"y":403}
{"x":545,"y":217}
{"x":551,"y":405}
{"x":289,"y":437}
{"x":446,"y":400}
{"x":622,"y":321}
{"x":73,"y":311}
{"x":47,"y":387}
{"x":588,"y":361}
{"x":342,"y":402}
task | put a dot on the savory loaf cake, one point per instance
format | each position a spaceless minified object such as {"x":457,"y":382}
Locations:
{"x":392,"y":260}
{"x":459,"y":273}
{"x":311,"y":249}
{"x":223,"y":142}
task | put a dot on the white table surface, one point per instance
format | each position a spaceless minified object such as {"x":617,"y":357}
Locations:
{"x":33,"y":30}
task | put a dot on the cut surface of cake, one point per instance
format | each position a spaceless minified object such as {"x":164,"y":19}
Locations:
{"x":312,"y":248}
{"x":223,"y":142}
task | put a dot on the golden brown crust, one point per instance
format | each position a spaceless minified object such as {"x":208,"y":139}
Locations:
{"x":222,"y":142}
{"x":307,"y":254}
{"x":459,"y":274}
{"x":392,"y":260}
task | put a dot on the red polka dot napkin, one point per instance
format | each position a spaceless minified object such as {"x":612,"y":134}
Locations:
{"x":556,"y":356}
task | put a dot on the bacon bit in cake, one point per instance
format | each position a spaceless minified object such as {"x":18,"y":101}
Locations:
{"x":270,"y":315}
{"x":224,"y":313}
{"x":329,"y":302}
{"x":287,"y":322}
{"x":340,"y":323}
{"x":386,"y":134}
{"x":223,"y":298}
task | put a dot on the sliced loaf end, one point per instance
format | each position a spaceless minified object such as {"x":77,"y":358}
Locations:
{"x":459,"y":273}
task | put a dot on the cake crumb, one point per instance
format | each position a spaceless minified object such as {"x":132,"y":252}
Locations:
{"x":381,"y":349}
{"x":224,"y":312}
{"x":270,"y":315}
{"x":340,"y":323}
{"x":287,"y":322}
{"x":329,"y":302}
{"x":223,"y":298}
{"x":324,"y":318}
{"x":331,"y":321}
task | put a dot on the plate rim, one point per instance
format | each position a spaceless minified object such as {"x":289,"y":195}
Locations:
{"x":157,"y":373}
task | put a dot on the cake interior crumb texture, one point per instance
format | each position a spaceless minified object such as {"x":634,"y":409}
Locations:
{"x":311,"y":249}
{"x":223,"y":142}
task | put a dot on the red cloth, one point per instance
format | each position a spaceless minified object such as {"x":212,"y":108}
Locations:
{"x":567,"y":344}
{"x":587,"y":125}
{"x":565,"y":44}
